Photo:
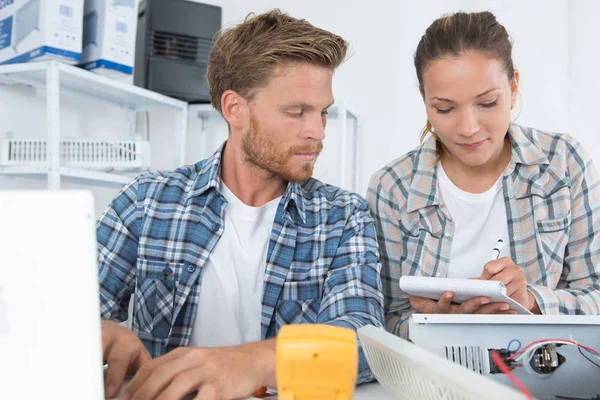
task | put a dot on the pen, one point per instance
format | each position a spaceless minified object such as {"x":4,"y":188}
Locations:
{"x":496,"y":250}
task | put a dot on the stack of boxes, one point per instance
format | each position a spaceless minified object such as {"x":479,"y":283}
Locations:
{"x":40,"y":30}
{"x":109,"y":28}
{"x":99,"y":35}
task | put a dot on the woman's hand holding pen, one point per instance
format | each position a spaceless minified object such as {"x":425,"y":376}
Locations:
{"x":513,"y":277}
{"x":503,"y":270}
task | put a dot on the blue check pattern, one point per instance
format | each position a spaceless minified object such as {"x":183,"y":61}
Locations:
{"x":157,"y":234}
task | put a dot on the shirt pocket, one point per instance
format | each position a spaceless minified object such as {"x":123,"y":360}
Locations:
{"x":419,"y":252}
{"x":299,"y":302}
{"x":154,"y":299}
{"x":553,"y":237}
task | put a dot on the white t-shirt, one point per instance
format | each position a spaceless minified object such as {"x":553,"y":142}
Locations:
{"x":230,"y":304}
{"x":479,"y":221}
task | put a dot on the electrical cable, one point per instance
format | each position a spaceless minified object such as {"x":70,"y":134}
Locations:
{"x":506,"y":370}
{"x":587,"y":358}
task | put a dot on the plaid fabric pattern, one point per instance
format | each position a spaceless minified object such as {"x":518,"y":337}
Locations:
{"x":552,"y":202}
{"x":322,"y":262}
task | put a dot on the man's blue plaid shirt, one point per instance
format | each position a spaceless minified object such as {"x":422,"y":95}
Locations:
{"x":157,"y":234}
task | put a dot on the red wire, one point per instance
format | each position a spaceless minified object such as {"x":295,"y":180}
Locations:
{"x":551,"y":340}
{"x":536,"y":342}
{"x":590,"y":349}
{"x":505,"y":370}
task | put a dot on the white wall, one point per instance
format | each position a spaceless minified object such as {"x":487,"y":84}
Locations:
{"x":584,"y":79}
{"x":555,"y":48}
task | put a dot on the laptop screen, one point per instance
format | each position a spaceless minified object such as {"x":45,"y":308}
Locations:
{"x":49,"y":306}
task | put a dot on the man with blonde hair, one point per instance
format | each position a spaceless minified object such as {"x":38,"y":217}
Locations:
{"x":219,"y":255}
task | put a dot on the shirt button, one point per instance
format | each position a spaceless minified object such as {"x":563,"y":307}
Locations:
{"x":511,"y":196}
{"x":215,"y":227}
{"x":167,"y":271}
{"x":448,"y":234}
{"x":438,"y":274}
{"x":515,"y":237}
{"x":191,"y":268}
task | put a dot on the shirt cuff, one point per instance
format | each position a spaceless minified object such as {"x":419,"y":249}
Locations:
{"x":545,"y":297}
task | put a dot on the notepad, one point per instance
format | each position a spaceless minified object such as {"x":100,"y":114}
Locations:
{"x":463,"y":289}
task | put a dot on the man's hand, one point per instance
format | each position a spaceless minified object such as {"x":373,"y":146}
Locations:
{"x":476,"y":305}
{"x":513,"y":277}
{"x":215,"y":373}
{"x":123,"y":352}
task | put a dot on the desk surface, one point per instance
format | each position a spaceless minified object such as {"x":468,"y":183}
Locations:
{"x":368,"y":391}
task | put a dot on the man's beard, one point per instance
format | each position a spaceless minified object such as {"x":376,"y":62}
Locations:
{"x":263,"y":152}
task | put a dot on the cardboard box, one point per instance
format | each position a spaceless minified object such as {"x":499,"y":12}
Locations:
{"x":109,"y":31}
{"x":40,"y":30}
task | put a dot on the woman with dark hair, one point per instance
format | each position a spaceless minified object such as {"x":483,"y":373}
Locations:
{"x":478,"y":178}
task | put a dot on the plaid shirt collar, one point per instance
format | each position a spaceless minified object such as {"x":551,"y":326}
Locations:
{"x":524,"y":152}
{"x":208,"y":176}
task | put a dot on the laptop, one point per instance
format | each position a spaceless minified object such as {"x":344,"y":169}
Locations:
{"x":50,"y":343}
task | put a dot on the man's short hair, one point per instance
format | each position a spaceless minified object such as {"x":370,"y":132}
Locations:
{"x":245,"y":56}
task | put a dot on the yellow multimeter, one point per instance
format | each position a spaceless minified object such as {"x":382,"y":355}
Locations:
{"x":316,"y":362}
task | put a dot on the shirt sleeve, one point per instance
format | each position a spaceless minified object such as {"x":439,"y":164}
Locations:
{"x":386,"y":215}
{"x":579,"y":288}
{"x":117,"y":233}
{"x":352,"y":295}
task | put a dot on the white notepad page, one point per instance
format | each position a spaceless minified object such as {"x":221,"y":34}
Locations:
{"x":463,"y":289}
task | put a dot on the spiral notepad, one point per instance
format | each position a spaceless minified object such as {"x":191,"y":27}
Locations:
{"x":463,"y":289}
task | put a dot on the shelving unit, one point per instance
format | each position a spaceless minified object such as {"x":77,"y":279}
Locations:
{"x":206,"y":112}
{"x":60,"y":79}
